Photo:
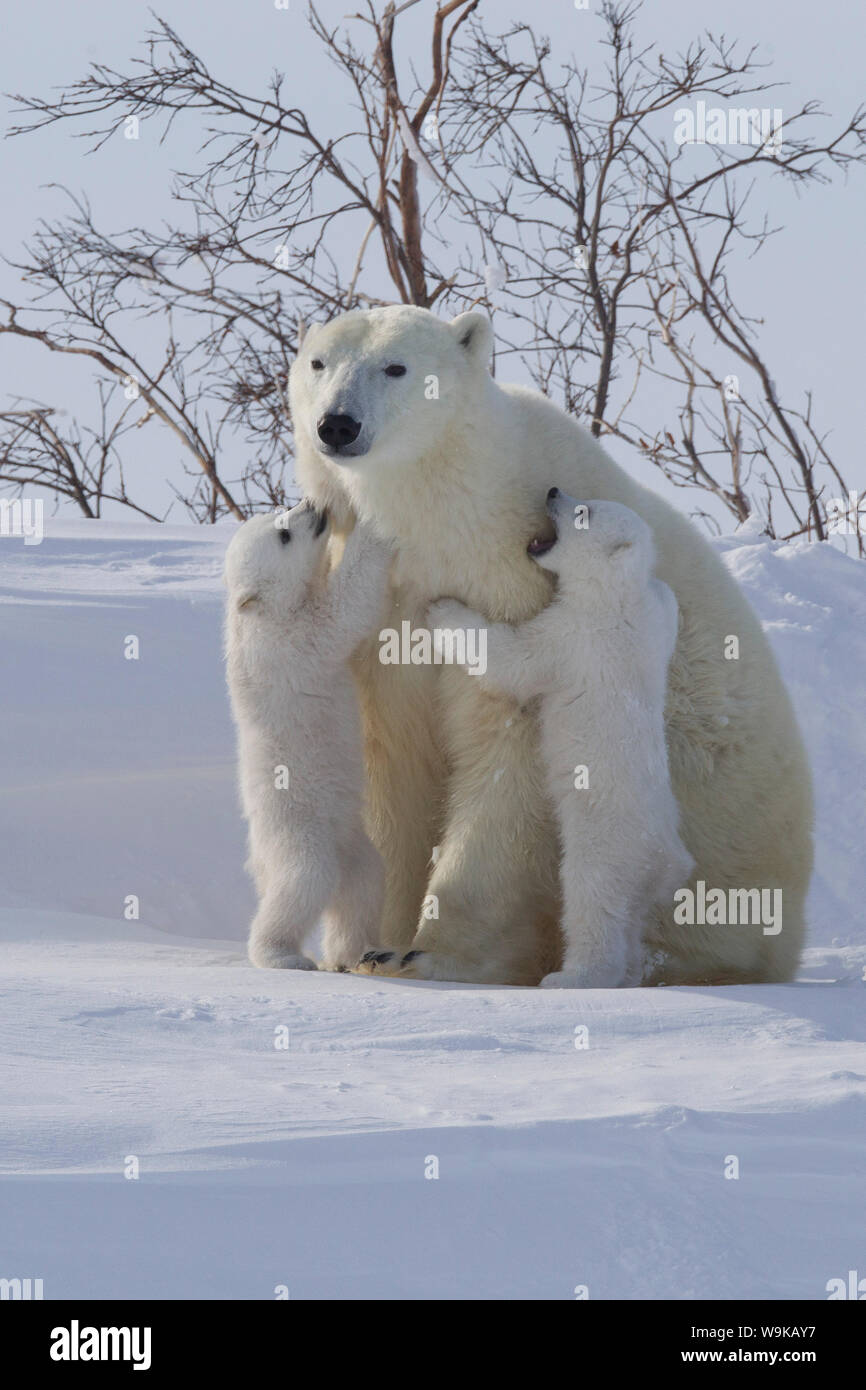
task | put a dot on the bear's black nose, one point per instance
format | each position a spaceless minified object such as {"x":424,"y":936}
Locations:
{"x":338,"y":430}
{"x":554,"y":492}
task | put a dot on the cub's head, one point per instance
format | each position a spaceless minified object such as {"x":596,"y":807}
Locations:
{"x":602,"y":546}
{"x":273,"y":559}
{"x":375,"y":389}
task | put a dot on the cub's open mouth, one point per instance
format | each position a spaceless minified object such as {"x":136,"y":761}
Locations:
{"x":539,"y":545}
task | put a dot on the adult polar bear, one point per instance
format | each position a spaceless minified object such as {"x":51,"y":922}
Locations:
{"x":397,"y":421}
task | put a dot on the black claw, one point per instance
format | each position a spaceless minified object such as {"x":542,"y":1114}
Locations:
{"x":376,"y":956}
{"x":412,"y":955}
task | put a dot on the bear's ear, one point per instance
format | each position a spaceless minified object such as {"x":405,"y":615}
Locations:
{"x":305,"y":329}
{"x":620,"y":547}
{"x":245,"y":598}
{"x":474,"y":333}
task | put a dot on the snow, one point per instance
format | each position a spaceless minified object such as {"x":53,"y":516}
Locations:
{"x":566,"y":1157}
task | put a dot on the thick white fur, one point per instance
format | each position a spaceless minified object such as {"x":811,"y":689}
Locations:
{"x":598,"y":658}
{"x":457,"y":478}
{"x":290,"y":630}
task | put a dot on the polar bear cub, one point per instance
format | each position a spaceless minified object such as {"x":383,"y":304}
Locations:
{"x":598,"y":657}
{"x":291,"y":627}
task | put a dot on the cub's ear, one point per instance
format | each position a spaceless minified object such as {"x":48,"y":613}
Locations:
{"x":245,"y":598}
{"x":474,"y":333}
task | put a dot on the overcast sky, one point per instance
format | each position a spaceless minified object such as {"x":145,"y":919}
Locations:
{"x":809,"y":287}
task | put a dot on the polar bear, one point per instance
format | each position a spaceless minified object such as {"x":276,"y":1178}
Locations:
{"x":597,"y":657}
{"x":290,"y":630}
{"x":398,"y":422}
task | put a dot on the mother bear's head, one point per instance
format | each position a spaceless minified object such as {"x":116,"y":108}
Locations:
{"x":376,"y":391}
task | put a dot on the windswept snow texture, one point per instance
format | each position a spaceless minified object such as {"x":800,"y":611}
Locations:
{"x":288,"y":1128}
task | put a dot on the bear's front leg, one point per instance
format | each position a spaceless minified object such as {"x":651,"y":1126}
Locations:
{"x":490,"y":912}
{"x":405,"y":777}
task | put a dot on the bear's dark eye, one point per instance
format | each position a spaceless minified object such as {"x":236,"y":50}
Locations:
{"x":285,"y":536}
{"x":395,"y":369}
{"x":317,"y":365}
